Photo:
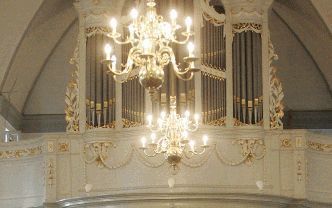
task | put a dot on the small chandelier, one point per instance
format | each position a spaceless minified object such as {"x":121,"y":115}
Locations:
{"x":170,"y":137}
{"x":150,"y":37}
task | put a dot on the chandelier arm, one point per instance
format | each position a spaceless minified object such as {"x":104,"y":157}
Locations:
{"x":116,"y":40}
{"x":176,"y":68}
{"x":183,"y":78}
{"x":183,"y":41}
{"x":150,"y":155}
{"x":115,"y":77}
{"x":187,"y":155}
{"x":201,"y":152}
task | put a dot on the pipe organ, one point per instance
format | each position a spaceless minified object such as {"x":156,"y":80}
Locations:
{"x":213,"y":60}
{"x":247,"y":77}
{"x":100,"y":87}
{"x":133,"y":95}
{"x":133,"y":103}
{"x":233,"y":88}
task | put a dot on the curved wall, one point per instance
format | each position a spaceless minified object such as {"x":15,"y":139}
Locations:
{"x":303,"y":84}
{"x":48,"y":93}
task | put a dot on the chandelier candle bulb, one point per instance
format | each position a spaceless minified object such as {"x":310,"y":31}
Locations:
{"x":113,"y":24}
{"x":187,"y":114}
{"x":196,"y":117}
{"x":192,"y":145}
{"x":131,"y":31}
{"x":163,"y":115}
{"x":173,"y":15}
{"x":189,"y":22}
{"x":108,"y":51}
{"x":191,"y":48}
{"x":153,"y":138}
{"x":113,"y":59}
{"x":149,"y":118}
{"x":205,"y":140}
{"x":134,"y":14}
{"x":143,"y":140}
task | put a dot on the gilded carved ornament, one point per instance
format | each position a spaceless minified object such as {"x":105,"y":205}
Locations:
{"x":97,"y":152}
{"x":209,"y":13}
{"x":50,"y":173}
{"x":21,"y":153}
{"x":276,"y":93}
{"x":91,"y":31}
{"x":286,"y":143}
{"x":244,"y":27}
{"x":72,"y":99}
{"x":319,"y":146}
{"x":63,"y":147}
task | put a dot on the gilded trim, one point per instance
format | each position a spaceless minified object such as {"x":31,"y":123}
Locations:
{"x":21,"y":153}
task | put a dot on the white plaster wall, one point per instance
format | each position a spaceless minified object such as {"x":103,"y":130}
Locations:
{"x":48,"y":93}
{"x":22,"y":183}
{"x":304,"y":86}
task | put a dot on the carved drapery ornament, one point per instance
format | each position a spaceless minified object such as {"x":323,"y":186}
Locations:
{"x":98,"y":152}
{"x":90,"y":31}
{"x":244,"y":27}
{"x":71,"y":99}
{"x":276,"y":93}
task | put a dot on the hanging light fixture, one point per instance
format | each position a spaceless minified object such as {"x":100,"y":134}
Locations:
{"x":170,"y":137}
{"x":150,"y":37}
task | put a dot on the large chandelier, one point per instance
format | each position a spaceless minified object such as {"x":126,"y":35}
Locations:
{"x":150,"y":37}
{"x":170,"y":137}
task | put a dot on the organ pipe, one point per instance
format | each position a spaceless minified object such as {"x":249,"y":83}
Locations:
{"x":100,"y":88}
{"x":247,"y":78}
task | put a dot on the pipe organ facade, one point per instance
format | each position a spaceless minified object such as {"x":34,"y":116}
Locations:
{"x":232,"y":89}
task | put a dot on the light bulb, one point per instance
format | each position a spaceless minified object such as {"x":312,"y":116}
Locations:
{"x":192,"y":145}
{"x":153,"y":138}
{"x":108,"y":51}
{"x":113,"y":24}
{"x":131,"y":31}
{"x":189,"y":22}
{"x":149,"y":118}
{"x":113,"y":59}
{"x":173,"y":14}
{"x":187,"y":113}
{"x":196,"y":117}
{"x":134,"y":13}
{"x":185,"y":134}
{"x":205,"y":140}
{"x":163,"y":114}
{"x":143,"y":140}
{"x":191,"y":48}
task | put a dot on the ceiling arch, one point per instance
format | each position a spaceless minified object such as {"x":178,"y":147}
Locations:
{"x":51,"y":21}
{"x":301,"y":17}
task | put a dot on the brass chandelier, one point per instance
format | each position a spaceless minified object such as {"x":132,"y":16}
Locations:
{"x":170,"y":137}
{"x":150,"y":37}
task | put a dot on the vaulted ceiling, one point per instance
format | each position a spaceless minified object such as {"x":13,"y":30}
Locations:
{"x":32,"y":30}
